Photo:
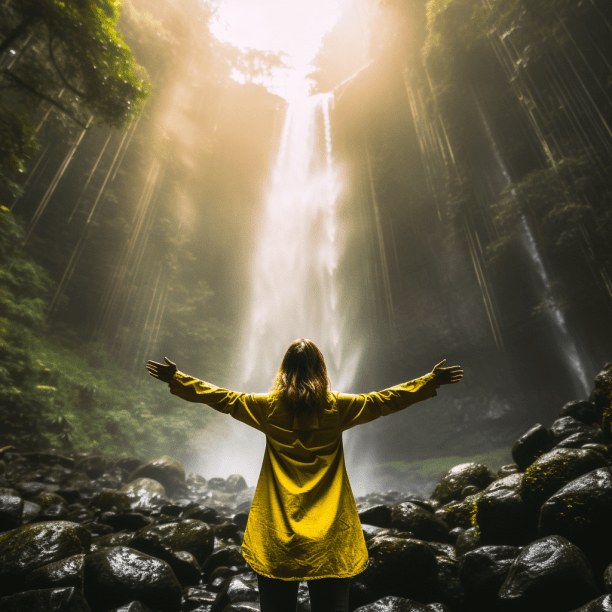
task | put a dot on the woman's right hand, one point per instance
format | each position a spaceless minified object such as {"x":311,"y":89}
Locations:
{"x":165,"y":373}
{"x":446,"y":376}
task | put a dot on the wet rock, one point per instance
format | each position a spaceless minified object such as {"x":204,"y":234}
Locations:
{"x":437,"y":607}
{"x":378,"y":515}
{"x":243,"y":606}
{"x":165,"y":470}
{"x":449,"y":590}
{"x":507,"y":470}
{"x":119,"y":575}
{"x":226,"y":556}
{"x":548,"y":574}
{"x":31,"y":511}
{"x":197,"y":598}
{"x":94,"y":465}
{"x":205,"y":514}
{"x":483,"y":571}
{"x":239,"y":519}
{"x":63,"y":573}
{"x":568,"y":426}
{"x":554,"y":470}
{"x":450,"y":487}
{"x":228,"y":532}
{"x":392,"y":560}
{"x":133,"y":606}
{"x":66,"y":599}
{"x":186,"y":568}
{"x":423,"y":524}
{"x":531,"y":445}
{"x":393,"y":603}
{"x":145,"y":492}
{"x":580,"y":511}
{"x":234,"y":591}
{"x":31,"y":546}
{"x":45,"y":499}
{"x":191,"y":535}
{"x":458,"y":513}
{"x":119,"y":538}
{"x":130,"y":521}
{"x":11,"y":510}
{"x":582,"y":410}
{"x":56,"y":512}
{"x":579,"y":440}
{"x":601,"y":396}
{"x":370,"y":531}
{"x":607,"y":578}
{"x":468,"y":540}
{"x":235,"y":483}
{"x":108,"y":499}
{"x":127,"y":465}
{"x":503,"y":517}
{"x":601,"y":604}
{"x":70,"y":494}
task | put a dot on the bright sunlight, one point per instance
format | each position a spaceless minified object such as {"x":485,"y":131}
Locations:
{"x":293,"y":27}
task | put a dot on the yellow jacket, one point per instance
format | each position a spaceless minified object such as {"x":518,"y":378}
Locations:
{"x":303,"y":522}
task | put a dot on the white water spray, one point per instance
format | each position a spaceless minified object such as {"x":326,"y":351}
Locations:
{"x":294,"y":290}
{"x":566,"y":342}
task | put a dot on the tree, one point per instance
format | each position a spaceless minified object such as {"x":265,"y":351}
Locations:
{"x":67,"y":55}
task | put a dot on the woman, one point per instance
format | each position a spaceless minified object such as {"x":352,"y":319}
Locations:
{"x":303,"y":523}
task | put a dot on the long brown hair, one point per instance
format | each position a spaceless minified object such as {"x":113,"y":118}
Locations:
{"x":302,"y":379}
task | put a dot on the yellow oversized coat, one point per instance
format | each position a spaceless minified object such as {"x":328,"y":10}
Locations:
{"x":303,"y":522}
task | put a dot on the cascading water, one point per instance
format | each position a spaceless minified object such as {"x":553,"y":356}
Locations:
{"x":294,"y":290}
{"x":566,"y":342}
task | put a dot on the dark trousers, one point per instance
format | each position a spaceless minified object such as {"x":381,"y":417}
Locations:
{"x":326,"y":594}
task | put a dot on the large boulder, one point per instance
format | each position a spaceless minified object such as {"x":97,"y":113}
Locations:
{"x":67,"y":599}
{"x":401,"y":567}
{"x":166,"y":470}
{"x":31,"y":546}
{"x":581,"y":512}
{"x":119,"y":575}
{"x":463,"y":475}
{"x":548,"y":574}
{"x":458,"y":513}
{"x":531,"y":445}
{"x":191,"y":535}
{"x":554,"y":470}
{"x":222,"y":557}
{"x":391,"y":603}
{"x":145,"y":492}
{"x":483,"y":571}
{"x":378,"y":515}
{"x":423,"y":524}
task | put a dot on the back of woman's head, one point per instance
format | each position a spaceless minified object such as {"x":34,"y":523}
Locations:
{"x":302,"y":377}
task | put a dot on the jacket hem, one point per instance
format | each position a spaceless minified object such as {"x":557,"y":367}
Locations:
{"x":259,"y":570}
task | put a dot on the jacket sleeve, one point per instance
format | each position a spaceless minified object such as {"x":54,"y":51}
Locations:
{"x":359,"y":409}
{"x":247,"y":408}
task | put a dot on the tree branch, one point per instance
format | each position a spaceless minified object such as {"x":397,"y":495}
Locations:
{"x":65,"y":81}
{"x":17,"y":32}
{"x":43,"y":96}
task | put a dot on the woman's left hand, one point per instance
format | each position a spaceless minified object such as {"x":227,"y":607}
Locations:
{"x":165,"y":373}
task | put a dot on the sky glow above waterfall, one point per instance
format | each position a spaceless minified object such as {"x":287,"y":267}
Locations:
{"x":295,"y":28}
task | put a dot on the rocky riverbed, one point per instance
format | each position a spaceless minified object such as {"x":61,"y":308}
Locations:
{"x":89,"y":534}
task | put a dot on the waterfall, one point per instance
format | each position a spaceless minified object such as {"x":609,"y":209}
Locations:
{"x":554,"y":314}
{"x":295,"y":291}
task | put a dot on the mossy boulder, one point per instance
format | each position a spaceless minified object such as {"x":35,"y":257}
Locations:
{"x":423,"y":524}
{"x":31,"y":546}
{"x":108,"y":499}
{"x":66,"y":572}
{"x":581,"y":511}
{"x":455,"y":480}
{"x":166,"y":470}
{"x":458,"y":513}
{"x":554,"y":470}
{"x":191,"y":535}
